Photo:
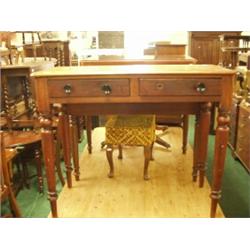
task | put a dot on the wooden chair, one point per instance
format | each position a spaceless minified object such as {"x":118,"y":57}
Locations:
{"x":33,"y":44}
{"x":5,"y":183}
{"x":22,"y":130}
{"x":132,"y":130}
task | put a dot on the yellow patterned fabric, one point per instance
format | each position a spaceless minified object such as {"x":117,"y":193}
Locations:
{"x":132,"y":130}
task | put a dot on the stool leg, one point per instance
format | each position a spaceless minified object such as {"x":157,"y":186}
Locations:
{"x":147,"y":155}
{"x":120,"y":151}
{"x":109,"y":154}
{"x":151,"y":152}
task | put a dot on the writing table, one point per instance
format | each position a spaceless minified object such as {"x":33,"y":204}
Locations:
{"x":138,"y":89}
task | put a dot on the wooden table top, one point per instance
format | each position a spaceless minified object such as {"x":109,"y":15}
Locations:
{"x":29,"y":62}
{"x":189,"y":69}
{"x":150,"y":59}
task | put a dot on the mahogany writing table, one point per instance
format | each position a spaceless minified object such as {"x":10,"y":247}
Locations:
{"x":138,"y":89}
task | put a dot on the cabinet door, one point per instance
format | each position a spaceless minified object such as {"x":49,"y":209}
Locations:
{"x":205,"y":50}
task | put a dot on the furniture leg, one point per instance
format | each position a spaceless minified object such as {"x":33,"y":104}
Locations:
{"x":58,"y":162}
{"x":185,"y":134}
{"x":89,"y":129}
{"x":74,"y":147}
{"x":39,"y":170}
{"x":109,"y":153}
{"x":147,"y":155}
{"x":221,"y":138}
{"x":205,"y":116}
{"x":49,"y":160}
{"x":196,"y":146}
{"x":162,"y":142}
{"x":66,"y":147}
{"x":120,"y":151}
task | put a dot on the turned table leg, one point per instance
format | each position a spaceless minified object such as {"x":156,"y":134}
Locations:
{"x":221,"y":138}
{"x":88,"y":130}
{"x":196,"y":146}
{"x":49,"y":159}
{"x":66,"y":147}
{"x":185,"y":134}
{"x":74,"y":147}
{"x":205,"y":116}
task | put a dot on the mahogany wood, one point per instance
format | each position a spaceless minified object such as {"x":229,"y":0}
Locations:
{"x":138,"y":104}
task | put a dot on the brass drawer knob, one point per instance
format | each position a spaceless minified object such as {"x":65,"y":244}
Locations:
{"x":201,"y":87}
{"x":159,"y":86}
{"x":106,"y":88}
{"x":67,"y":89}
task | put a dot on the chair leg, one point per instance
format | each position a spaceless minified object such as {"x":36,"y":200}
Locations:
{"x":39,"y":170}
{"x":109,"y":154}
{"x":147,"y":155}
{"x":120,"y":151}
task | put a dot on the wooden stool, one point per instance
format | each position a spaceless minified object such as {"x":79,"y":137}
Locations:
{"x":131,"y":130}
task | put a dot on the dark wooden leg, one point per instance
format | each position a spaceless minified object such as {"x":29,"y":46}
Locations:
{"x":58,"y":162}
{"x":151,"y":157}
{"x":120,"y":151}
{"x":25,"y":173}
{"x":185,"y":134}
{"x":88,"y":130}
{"x":49,"y":160}
{"x":147,"y":155}
{"x":39,"y":170}
{"x":212,"y":123}
{"x":74,"y":147}
{"x":66,"y":147}
{"x":196,"y":146}
{"x":109,"y":154}
{"x":221,"y":138}
{"x":205,"y":116}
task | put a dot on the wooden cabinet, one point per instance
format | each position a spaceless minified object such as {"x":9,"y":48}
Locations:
{"x":243,"y":138}
{"x":205,"y":46}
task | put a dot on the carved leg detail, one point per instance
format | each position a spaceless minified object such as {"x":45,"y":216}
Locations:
{"x":109,"y":154}
{"x":49,"y":159}
{"x":221,"y":139}
{"x":147,"y":155}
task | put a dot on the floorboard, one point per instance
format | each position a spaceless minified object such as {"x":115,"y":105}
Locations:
{"x":170,"y":193}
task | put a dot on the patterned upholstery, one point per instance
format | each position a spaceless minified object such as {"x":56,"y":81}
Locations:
{"x":132,"y":130}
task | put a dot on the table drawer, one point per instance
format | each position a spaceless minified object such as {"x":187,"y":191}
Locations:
{"x":88,"y":88}
{"x":190,"y":87}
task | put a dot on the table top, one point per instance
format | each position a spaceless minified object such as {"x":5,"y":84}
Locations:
{"x":29,"y":62}
{"x":147,"y":59}
{"x":189,"y":69}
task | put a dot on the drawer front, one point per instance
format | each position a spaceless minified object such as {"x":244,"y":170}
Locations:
{"x":169,"y":87}
{"x":89,"y":88}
